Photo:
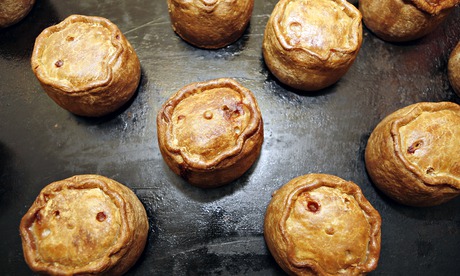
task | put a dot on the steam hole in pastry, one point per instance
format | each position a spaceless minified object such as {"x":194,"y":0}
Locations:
{"x":296,"y":28}
{"x":236,"y":113}
{"x":237,"y":130}
{"x":59,"y":63}
{"x":57,"y":213}
{"x":330,"y":231}
{"x":70,"y":38}
{"x":180,"y":118}
{"x":348,"y":254}
{"x":313,"y":206}
{"x":430,"y":170}
{"x":225,"y":108}
{"x":415,"y":146}
{"x":347,"y":204}
{"x":208,"y":115}
{"x":117,"y":36}
{"x":46,"y":197}
{"x":101,"y":216}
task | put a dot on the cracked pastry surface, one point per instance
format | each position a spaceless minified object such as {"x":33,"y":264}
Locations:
{"x":310,"y":45}
{"x":86,"y":224}
{"x":86,"y":65}
{"x":412,"y":154}
{"x":210,"y":132}
{"x":210,"y":24}
{"x":319,"y":224}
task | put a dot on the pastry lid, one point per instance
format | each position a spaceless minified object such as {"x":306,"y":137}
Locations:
{"x":75,"y":226}
{"x":77,"y":54}
{"x":426,"y":141}
{"x":330,"y":227}
{"x":435,"y":6}
{"x":303,"y":25}
{"x":206,"y":123}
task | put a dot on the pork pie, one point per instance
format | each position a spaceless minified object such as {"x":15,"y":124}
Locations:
{"x":319,"y":224}
{"x":82,"y":225}
{"x":404,"y":20}
{"x":210,"y":132}
{"x":453,"y":69}
{"x":413,"y":154}
{"x":13,"y":11}
{"x":310,"y":45}
{"x":86,"y":65}
{"x":210,"y":24}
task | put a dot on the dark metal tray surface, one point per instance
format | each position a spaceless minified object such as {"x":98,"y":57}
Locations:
{"x":220,"y":231}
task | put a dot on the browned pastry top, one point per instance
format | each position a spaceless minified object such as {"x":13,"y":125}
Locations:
{"x":77,"y":54}
{"x":210,"y":24}
{"x":209,"y":122}
{"x":327,"y":225}
{"x":83,"y":225}
{"x":435,"y":6}
{"x":426,"y":141}
{"x":319,"y":27}
{"x":58,"y":227}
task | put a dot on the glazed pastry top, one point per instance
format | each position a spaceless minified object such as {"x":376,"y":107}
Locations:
{"x":78,"y":53}
{"x":65,"y":229}
{"x":318,"y":219}
{"x":426,"y":139}
{"x":318,"y":26}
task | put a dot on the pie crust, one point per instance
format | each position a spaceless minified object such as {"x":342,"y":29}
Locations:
{"x":413,"y":154}
{"x":310,"y":45}
{"x":13,"y":11}
{"x":82,"y":225}
{"x":404,"y":20}
{"x":210,"y":132}
{"x":210,"y":24}
{"x":320,"y":224}
{"x":453,"y":69}
{"x":86,"y":65}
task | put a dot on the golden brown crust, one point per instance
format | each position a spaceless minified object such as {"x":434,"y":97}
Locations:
{"x":210,"y":24}
{"x":434,"y":7}
{"x":13,"y":11}
{"x":86,"y":65}
{"x":400,"y":20}
{"x":86,"y":224}
{"x":210,"y":132}
{"x":319,"y":224}
{"x":453,"y":69}
{"x":310,"y":45}
{"x":412,"y":154}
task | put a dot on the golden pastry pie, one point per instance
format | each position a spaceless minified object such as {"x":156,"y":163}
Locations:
{"x":404,"y":20}
{"x":310,"y":45}
{"x":13,"y":11}
{"x":413,"y":154}
{"x":210,"y":132}
{"x":453,"y":69}
{"x":210,"y":24}
{"x":86,"y":65}
{"x":82,"y":225}
{"x":319,"y":224}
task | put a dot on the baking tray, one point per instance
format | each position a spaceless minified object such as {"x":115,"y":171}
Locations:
{"x":220,"y":231}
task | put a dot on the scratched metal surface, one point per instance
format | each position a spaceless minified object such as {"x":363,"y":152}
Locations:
{"x":219,"y":231}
